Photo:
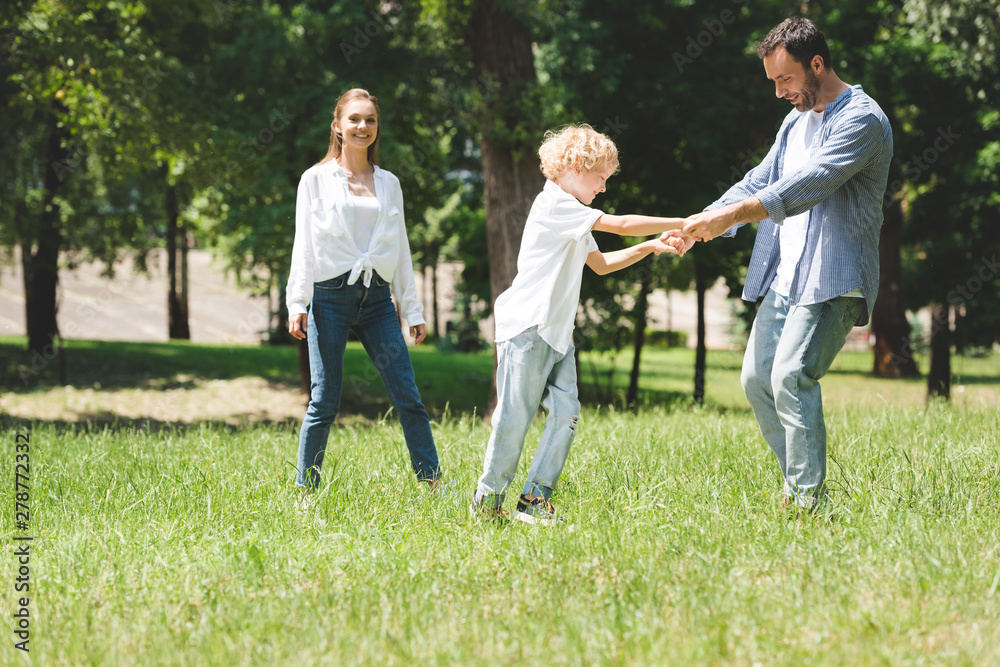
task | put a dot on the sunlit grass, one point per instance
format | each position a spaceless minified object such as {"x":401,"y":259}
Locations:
{"x":176,"y":541}
{"x":182,"y":546}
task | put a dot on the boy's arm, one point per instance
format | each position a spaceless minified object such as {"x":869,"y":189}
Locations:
{"x":636,"y":225}
{"x":603,"y":263}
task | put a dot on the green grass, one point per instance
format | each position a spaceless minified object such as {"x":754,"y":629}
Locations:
{"x":179,"y":544}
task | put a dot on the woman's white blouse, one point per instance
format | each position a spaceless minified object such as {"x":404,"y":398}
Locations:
{"x":325,"y":245}
{"x":365,"y":217}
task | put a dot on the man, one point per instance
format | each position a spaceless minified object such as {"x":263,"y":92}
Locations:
{"x":818,"y":194}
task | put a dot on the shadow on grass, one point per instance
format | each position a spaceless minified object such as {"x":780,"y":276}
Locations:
{"x":449,"y":383}
{"x":107,"y":421}
{"x":115,"y":364}
{"x":956,"y":378}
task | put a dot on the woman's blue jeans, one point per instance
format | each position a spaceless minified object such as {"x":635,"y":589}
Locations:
{"x":337,"y":308}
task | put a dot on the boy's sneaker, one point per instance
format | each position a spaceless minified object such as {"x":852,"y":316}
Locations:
{"x":536,"y":511}
{"x":497,"y":514}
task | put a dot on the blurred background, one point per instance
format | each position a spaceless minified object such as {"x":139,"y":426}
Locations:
{"x":150,"y":153}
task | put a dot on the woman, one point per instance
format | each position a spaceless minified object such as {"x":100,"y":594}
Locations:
{"x":350,"y":247}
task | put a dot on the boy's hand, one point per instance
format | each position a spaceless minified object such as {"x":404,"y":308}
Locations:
{"x":678,"y":240}
{"x":659,"y":246}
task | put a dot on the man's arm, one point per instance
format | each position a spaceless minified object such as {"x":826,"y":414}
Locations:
{"x":847,"y":151}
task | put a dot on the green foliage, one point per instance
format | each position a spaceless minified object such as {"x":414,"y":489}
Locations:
{"x":233,"y":100}
{"x":666,"y":339}
{"x":68,"y":65}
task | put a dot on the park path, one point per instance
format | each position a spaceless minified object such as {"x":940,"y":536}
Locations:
{"x":133,"y":306}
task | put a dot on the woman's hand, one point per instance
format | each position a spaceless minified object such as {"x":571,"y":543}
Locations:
{"x":297,"y":325}
{"x":419,"y":333}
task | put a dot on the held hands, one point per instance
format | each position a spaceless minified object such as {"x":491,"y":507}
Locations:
{"x":659,"y":246}
{"x":706,"y":225}
{"x":703,"y":226}
{"x":678,"y":240}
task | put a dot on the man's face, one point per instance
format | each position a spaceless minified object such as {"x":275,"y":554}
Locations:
{"x":792,"y":81}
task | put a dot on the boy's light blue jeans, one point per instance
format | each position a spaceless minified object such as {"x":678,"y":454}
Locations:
{"x":336,"y":309}
{"x":790,"y":349}
{"x":529,"y":373}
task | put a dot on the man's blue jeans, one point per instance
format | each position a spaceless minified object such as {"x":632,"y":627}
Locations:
{"x":337,"y":308}
{"x":790,"y":349}
{"x":529,"y":373}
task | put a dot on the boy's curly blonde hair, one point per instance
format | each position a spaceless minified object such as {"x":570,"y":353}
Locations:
{"x":576,"y":146}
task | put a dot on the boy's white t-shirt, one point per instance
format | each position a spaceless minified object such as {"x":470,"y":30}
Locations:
{"x":546,"y":290}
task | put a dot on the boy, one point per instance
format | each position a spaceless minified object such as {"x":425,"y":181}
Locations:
{"x":535,"y":316}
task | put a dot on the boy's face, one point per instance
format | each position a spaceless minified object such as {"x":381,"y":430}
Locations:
{"x":585,"y":185}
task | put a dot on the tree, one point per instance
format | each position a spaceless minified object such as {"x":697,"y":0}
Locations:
{"x":954,"y":208}
{"x":60,"y":157}
{"x":500,"y":41}
{"x":863,"y":39}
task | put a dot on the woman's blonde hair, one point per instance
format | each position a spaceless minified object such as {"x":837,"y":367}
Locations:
{"x":336,"y":141}
{"x":576,"y":146}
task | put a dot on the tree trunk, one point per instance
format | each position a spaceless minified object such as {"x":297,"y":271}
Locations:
{"x":177,"y":323}
{"x":434,"y":300}
{"x":183,"y":295}
{"x":641,"y":310}
{"x":939,"y":375}
{"x":504,"y":64}
{"x":894,"y":355}
{"x":41,"y":264}
{"x":700,"y":350}
{"x":280,"y":335}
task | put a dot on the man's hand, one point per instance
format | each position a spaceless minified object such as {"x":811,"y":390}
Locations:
{"x":419,"y":333}
{"x":678,"y":240}
{"x":297,"y":325}
{"x":707,"y":225}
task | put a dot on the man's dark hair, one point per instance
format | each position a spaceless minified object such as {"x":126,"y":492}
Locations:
{"x":800,"y":37}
